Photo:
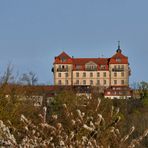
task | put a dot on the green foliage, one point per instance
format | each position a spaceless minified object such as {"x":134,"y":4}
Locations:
{"x":145,"y":101}
{"x":69,"y":107}
{"x":78,"y":115}
{"x":122,"y":116}
{"x":136,"y":111}
{"x":143,"y":89}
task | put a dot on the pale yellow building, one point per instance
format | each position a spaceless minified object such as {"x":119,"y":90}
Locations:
{"x":103,"y":72}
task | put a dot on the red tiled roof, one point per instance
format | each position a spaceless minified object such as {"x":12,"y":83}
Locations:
{"x":82,"y":61}
{"x":63,"y":55}
{"x":98,"y":61}
{"x":118,"y":91}
{"x":118,"y":55}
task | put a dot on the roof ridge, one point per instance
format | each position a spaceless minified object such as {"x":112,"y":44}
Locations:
{"x":63,"y":54}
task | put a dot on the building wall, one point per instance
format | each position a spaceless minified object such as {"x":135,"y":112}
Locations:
{"x":118,"y":97}
{"x":111,"y":72}
{"x":114,"y":77}
{"x":63,"y":73}
{"x":119,"y":74}
{"x":94,"y":78}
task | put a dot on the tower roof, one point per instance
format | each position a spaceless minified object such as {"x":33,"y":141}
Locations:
{"x":63,"y":55}
{"x":118,"y":57}
{"x":63,"y":58}
{"x":119,"y":49}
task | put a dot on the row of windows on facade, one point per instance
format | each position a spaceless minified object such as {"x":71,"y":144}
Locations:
{"x":91,"y":74}
{"x":91,"y":67}
{"x":84,"y":74}
{"x":80,"y":66}
{"x":119,"y":66}
{"x":91,"y":82}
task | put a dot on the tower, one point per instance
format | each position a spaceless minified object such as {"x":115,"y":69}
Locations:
{"x":119,"y":69}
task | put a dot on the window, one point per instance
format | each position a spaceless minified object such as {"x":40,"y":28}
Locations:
{"x":91,"y":74}
{"x":115,"y":74}
{"x":122,"y":66}
{"x":60,"y":67}
{"x":66,"y":67}
{"x":122,"y":81}
{"x":66,"y":82}
{"x":115,"y":81}
{"x":98,"y":82}
{"x":108,"y":93}
{"x":78,"y":67}
{"x":118,"y":60}
{"x":59,"y":82}
{"x":91,"y":66}
{"x":104,"y":82}
{"x":102,"y":66}
{"x":84,"y":82}
{"x":77,"y":82}
{"x":63,"y":59}
{"x":104,"y":74}
{"x":84,"y":74}
{"x":66,"y":74}
{"x":98,"y":74}
{"x":59,"y":74}
{"x":122,"y":74}
{"x":91,"y":82}
{"x":77,"y":74}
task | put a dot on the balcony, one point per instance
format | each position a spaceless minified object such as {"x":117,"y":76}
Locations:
{"x":129,"y":71}
{"x":52,"y":69}
{"x":118,"y":69}
{"x":62,"y":69}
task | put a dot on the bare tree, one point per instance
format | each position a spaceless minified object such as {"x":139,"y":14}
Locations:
{"x":143,"y":88}
{"x":7,"y":76}
{"x":29,"y":78}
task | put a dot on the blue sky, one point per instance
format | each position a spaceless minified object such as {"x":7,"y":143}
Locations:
{"x":33,"y":32}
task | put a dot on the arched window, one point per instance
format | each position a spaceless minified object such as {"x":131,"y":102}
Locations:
{"x":84,"y":82}
{"x":59,"y":82}
{"x":91,"y":74}
{"x":91,"y":82}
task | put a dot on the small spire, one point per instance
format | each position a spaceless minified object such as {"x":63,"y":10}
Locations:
{"x":118,"y":44}
{"x":119,"y":50}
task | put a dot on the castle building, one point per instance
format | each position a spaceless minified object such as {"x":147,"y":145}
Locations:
{"x":102,"y":72}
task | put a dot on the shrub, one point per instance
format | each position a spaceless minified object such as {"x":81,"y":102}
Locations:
{"x":88,"y":124}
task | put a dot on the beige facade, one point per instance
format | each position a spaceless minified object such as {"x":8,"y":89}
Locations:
{"x":94,"y":78}
{"x":63,"y":74}
{"x":69,"y":77}
{"x":104,"y":72}
{"x":119,"y":74}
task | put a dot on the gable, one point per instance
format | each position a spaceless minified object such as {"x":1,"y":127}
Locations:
{"x":63,"y":58}
{"x":91,"y":63}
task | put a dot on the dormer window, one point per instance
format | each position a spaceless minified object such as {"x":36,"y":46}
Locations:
{"x":78,"y":67}
{"x":63,"y":59}
{"x":118,"y":60}
{"x":91,"y":66}
{"x":102,"y":66}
